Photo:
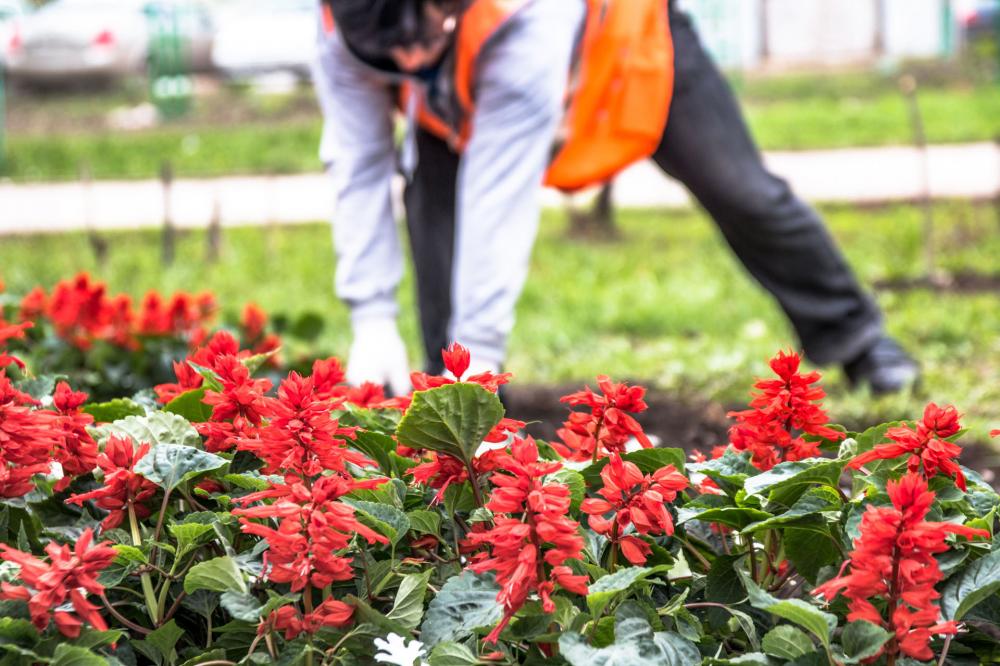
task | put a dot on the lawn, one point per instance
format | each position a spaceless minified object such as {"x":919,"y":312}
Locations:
{"x":234,"y":131}
{"x":666,"y":304}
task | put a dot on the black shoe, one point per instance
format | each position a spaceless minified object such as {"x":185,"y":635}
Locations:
{"x":885,"y":367}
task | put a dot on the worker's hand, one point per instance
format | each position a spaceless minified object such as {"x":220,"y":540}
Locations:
{"x":378,"y":355}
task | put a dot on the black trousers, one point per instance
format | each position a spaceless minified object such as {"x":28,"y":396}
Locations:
{"x":706,"y":146}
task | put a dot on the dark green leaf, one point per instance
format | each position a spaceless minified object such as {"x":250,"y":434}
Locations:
{"x":465,"y":603}
{"x":968,"y":587}
{"x":452,"y":419}
{"x":786,"y":482}
{"x":802,"y":613}
{"x":425,"y":522}
{"x":730,"y":471}
{"x":604,"y":589}
{"x":723,"y":586}
{"x":307,"y":326}
{"x":733,"y":516}
{"x":159,"y":645}
{"x":812,"y":504}
{"x":862,"y":640}
{"x":809,"y":551}
{"x":376,"y":446}
{"x":71,"y":655}
{"x":787,"y":642}
{"x":636,"y":644}
{"x":408,"y":608}
{"x":451,"y":654}
{"x":13,"y":630}
{"x":384,"y":519}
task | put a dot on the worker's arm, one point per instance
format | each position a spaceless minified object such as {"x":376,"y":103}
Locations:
{"x":358,"y":107}
{"x":521,"y":82}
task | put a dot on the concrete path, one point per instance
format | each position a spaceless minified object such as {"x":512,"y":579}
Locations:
{"x":863,"y":175}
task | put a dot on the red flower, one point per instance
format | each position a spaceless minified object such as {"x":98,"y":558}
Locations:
{"x":926,"y":446}
{"x":77,"y":452}
{"x":607,"y":427}
{"x":636,"y":499}
{"x":893,"y":560}
{"x":46,"y":587}
{"x":122,"y":486}
{"x":439,"y":471}
{"x":11,"y":332}
{"x":456,"y":360}
{"x":312,"y":529}
{"x":252,"y":323}
{"x":27,"y":437}
{"x":34,"y":305}
{"x":995,"y":433}
{"x":782,"y":407}
{"x":238,"y":409}
{"x":530,"y":530}
{"x":302,"y":438}
{"x":288,"y":619}
{"x":220,"y":345}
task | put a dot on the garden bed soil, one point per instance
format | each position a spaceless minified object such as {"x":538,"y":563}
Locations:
{"x":678,"y":422}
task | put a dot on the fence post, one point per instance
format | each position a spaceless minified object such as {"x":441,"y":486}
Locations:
{"x":169,"y":236}
{"x":3,"y":123}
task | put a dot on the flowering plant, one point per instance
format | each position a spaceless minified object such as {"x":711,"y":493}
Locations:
{"x":240,"y":521}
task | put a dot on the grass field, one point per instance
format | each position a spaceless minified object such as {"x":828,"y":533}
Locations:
{"x":235,"y":131}
{"x":667,"y":304}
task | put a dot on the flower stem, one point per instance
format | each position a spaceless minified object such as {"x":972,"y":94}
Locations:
{"x":474,"y":482}
{"x":147,"y":581}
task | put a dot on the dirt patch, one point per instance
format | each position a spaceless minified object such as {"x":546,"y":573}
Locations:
{"x":686,"y":424}
{"x":956,"y":283}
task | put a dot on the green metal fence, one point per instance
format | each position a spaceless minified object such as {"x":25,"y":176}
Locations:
{"x":170,"y":84}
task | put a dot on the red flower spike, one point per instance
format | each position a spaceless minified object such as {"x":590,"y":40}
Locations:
{"x":46,"y":586}
{"x":27,"y":438}
{"x":637,"y":500}
{"x":122,"y":485}
{"x":607,"y":427}
{"x":893,"y":560}
{"x":926,"y":446}
{"x":456,"y":360}
{"x":313,"y":528}
{"x":531,"y":529}
{"x":252,"y":322}
{"x":77,"y":452}
{"x":779,"y":409}
{"x":995,"y":433}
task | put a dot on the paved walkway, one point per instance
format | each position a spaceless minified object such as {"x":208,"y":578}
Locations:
{"x":863,"y":175}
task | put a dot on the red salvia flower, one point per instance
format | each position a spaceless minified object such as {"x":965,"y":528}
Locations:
{"x":637,"y":499}
{"x":252,"y":323}
{"x":781,"y":408}
{"x":313,"y":527}
{"x":77,"y":452}
{"x":456,"y":360}
{"x":34,"y":305}
{"x":11,"y":332}
{"x":607,"y":427}
{"x":48,"y":586}
{"x":893,"y":560}
{"x":239,"y":409}
{"x":302,"y":438}
{"x":926,"y":446}
{"x":289,"y":621}
{"x":531,"y":531}
{"x":27,"y":438}
{"x":995,"y":433}
{"x":123,"y":487}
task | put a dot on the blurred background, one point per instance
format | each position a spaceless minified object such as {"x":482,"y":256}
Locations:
{"x":175,"y":144}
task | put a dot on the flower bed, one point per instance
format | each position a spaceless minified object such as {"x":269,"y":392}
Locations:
{"x":232,"y":519}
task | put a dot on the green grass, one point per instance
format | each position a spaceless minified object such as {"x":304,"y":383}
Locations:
{"x":236,"y":132}
{"x":667,"y":304}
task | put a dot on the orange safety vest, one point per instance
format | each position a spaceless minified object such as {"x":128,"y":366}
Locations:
{"x":619,"y":94}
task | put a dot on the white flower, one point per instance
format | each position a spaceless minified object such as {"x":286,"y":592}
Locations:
{"x":397,"y":651}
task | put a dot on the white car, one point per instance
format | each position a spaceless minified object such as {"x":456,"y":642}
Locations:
{"x":265,"y":36}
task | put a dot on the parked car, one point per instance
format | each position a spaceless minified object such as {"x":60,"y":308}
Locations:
{"x":982,"y":21}
{"x":257,"y":37}
{"x":12,"y":12}
{"x":76,"y":40}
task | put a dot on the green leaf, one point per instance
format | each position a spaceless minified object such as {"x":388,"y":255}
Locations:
{"x":425,"y":522}
{"x":452,"y":419}
{"x":384,"y":519}
{"x":189,"y":536}
{"x":802,"y":613}
{"x":119,"y":408}
{"x":40,"y":387}
{"x":605,"y":588}
{"x":91,"y":638}
{"x":967,"y":588}
{"x":723,"y":586}
{"x":71,"y":655}
{"x":733,"y":516}
{"x":155,"y":429}
{"x":815,"y":502}
{"x":636,"y":644}
{"x":257,"y":361}
{"x":169,"y":465}
{"x":787,"y":642}
{"x":862,"y":640}
{"x":451,"y":654}
{"x":307,"y":326}
{"x":18,"y":631}
{"x":809,"y":551}
{"x":128,"y":554}
{"x":465,"y":603}
{"x":786,"y":482}
{"x":159,"y":645}
{"x":189,"y":405}
{"x":574,"y":481}
{"x":730,"y":471}
{"x":212,"y":655}
{"x":376,"y":446}
{"x":408,"y":608}
{"x":364,"y":613}
{"x":218,"y":575}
